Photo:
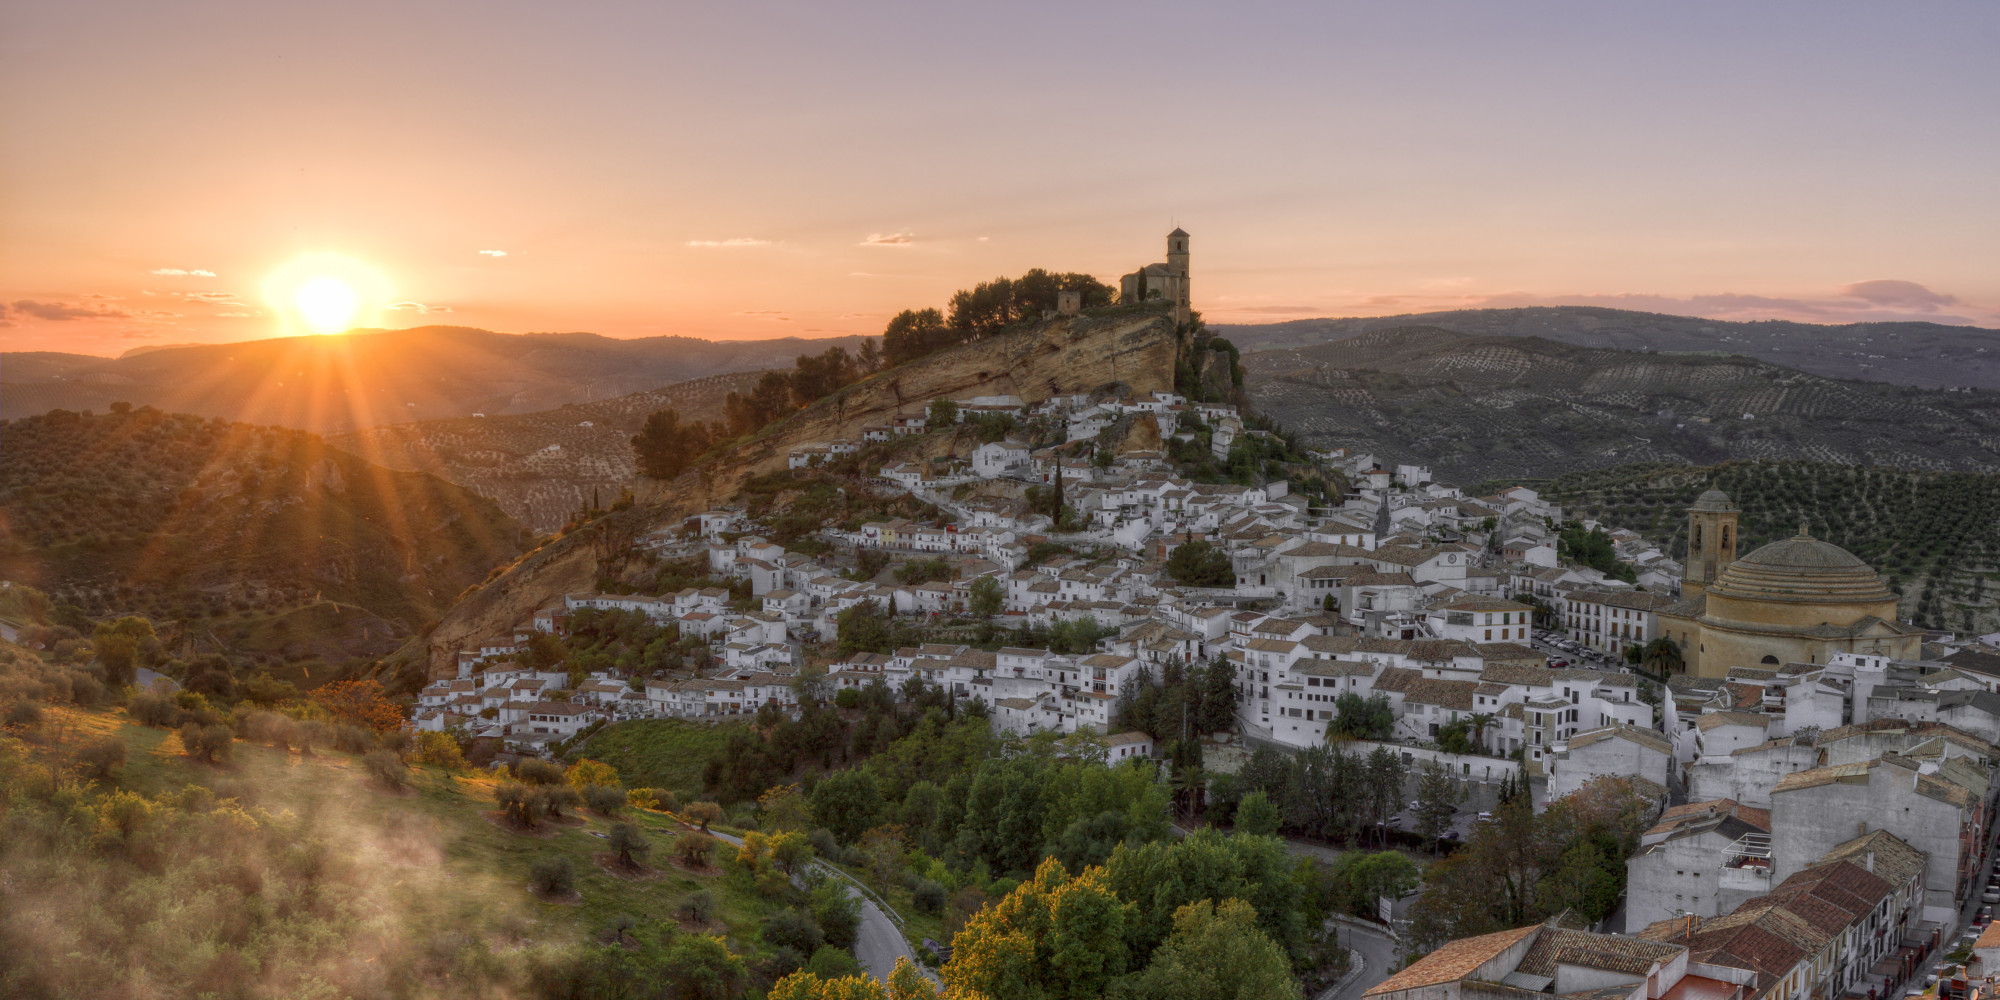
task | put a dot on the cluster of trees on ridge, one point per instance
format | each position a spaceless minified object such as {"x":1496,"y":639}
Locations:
{"x":668,"y":444}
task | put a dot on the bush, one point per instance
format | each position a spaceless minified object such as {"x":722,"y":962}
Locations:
{"x":397,"y":741}
{"x":928,"y":897}
{"x":794,"y":929}
{"x":603,"y":800}
{"x":698,"y":906}
{"x":630,"y":844}
{"x":353,"y":739}
{"x":151,"y":708}
{"x":386,"y":768}
{"x":535,"y":771}
{"x":703,"y":813}
{"x":830,"y":962}
{"x":518,"y":804}
{"x":826,"y":844}
{"x":101,"y":758}
{"x":695,"y":849}
{"x":553,"y":876}
{"x":655,"y":799}
{"x":207,"y":743}
{"x":556,"y":798}
{"x":23,"y":714}
{"x":440,"y":749}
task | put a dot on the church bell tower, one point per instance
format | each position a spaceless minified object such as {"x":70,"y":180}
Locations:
{"x":1711,"y":541}
{"x":1177,"y":269}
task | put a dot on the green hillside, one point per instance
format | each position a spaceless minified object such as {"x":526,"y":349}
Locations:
{"x":256,"y":541}
{"x":1935,"y":535}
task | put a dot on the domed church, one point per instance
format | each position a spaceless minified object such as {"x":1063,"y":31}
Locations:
{"x":1799,"y":600}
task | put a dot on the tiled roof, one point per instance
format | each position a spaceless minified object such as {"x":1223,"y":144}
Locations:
{"x":1453,"y":961}
{"x":1711,"y":720}
{"x":1562,"y":946}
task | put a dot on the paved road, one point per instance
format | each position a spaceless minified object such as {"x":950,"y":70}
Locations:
{"x":1378,"y":956}
{"x":878,"y":942}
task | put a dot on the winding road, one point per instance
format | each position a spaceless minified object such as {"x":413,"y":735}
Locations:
{"x":878,"y":942}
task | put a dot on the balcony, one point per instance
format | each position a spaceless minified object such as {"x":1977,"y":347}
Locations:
{"x":1746,"y":864}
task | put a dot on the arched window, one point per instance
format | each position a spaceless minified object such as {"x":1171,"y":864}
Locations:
{"x":1772,"y":660}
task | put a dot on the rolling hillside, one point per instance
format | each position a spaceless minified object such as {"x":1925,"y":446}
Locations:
{"x":262,"y":541}
{"x":1477,"y":408}
{"x":540,"y":467}
{"x":372,"y":378}
{"x":1919,"y":354}
{"x":1935,"y":535}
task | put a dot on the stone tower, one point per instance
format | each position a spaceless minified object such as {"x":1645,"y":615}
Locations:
{"x":1711,"y":541}
{"x":1177,"y":271}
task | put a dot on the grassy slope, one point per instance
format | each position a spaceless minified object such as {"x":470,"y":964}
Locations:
{"x":476,"y":857}
{"x":658,"y":753}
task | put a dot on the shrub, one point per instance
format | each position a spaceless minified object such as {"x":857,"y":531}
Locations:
{"x":631,"y":845}
{"x":387,"y":768}
{"x":23,"y":714}
{"x":553,"y":876}
{"x":556,"y":798}
{"x":352,"y":739}
{"x":151,"y":708}
{"x":207,"y":743}
{"x":826,"y":844}
{"x":703,"y":813}
{"x":518,"y":804}
{"x":397,"y":741}
{"x":695,"y":849}
{"x":603,"y":801}
{"x":830,"y":962}
{"x":656,"y":799}
{"x":101,"y":758}
{"x":928,"y":897}
{"x":442,"y":750}
{"x":535,"y":771}
{"x":794,"y":929}
{"x":698,"y":906}
{"x":589,"y":773}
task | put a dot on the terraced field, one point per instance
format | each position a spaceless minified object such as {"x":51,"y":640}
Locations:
{"x":1477,"y":408}
{"x":541,"y":467}
{"x":1935,"y":535}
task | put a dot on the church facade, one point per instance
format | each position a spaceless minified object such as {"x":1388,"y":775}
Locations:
{"x":1799,"y":600}
{"x":1166,"y":282}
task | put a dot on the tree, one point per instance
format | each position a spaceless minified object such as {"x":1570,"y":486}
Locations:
{"x":905,"y":983}
{"x":703,"y":967}
{"x":987,"y":597}
{"x":553,"y":876}
{"x":387,"y":769}
{"x":359,"y":702}
{"x":790,"y":850}
{"x":605,"y":800}
{"x":1218,"y":696}
{"x":847,"y":803}
{"x":703,"y":813}
{"x":1438,"y":795}
{"x":1200,"y":564}
{"x":101,"y":758}
{"x":943,"y":413}
{"x":518,"y":805}
{"x":586,"y":772}
{"x":1662,"y":656}
{"x":207,"y":743}
{"x":440,"y":749}
{"x":118,"y":645}
{"x":695,"y":849}
{"x":1357,"y":718}
{"x":1256,"y":815}
{"x":665,"y":447}
{"x":1216,"y":952}
{"x":1054,"y":936}
{"x":630,"y":845}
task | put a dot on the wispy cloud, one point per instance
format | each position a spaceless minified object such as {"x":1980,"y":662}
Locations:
{"x":888,"y":240}
{"x":777,"y":315}
{"x":175,"y":272}
{"x":1899,"y":295}
{"x":421,"y":308}
{"x":494,"y":253}
{"x":733,"y":243}
{"x":57,"y":311}
{"x":212,"y":298}
{"x":1883,"y":300}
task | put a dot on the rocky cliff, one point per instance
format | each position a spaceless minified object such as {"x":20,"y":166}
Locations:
{"x":1131,"y":349}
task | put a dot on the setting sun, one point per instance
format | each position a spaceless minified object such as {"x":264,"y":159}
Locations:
{"x":326,"y":305}
{"x":323,"y":293}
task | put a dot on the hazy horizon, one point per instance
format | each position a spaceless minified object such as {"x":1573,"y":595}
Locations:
{"x":175,"y":173}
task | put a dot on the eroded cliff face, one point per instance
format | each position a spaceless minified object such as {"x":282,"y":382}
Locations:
{"x":1068,"y":354}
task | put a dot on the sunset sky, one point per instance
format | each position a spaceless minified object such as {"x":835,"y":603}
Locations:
{"x":762,"y":169}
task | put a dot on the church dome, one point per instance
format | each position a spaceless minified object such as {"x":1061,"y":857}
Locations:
{"x":1801,"y":569}
{"x":1713,"y":500}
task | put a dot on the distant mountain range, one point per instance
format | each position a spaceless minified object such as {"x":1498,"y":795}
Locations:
{"x":1489,"y":407}
{"x":379,"y":377}
{"x":1920,"y":354}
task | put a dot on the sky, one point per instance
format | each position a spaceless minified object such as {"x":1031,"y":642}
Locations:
{"x":177,"y":173}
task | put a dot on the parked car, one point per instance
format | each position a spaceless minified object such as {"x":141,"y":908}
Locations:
{"x":1558,"y":664}
{"x":1992,"y":895}
{"x":1485,"y":817}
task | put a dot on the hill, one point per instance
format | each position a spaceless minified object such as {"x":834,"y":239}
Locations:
{"x":540,"y":467}
{"x":1935,"y":535}
{"x":1127,"y":348}
{"x":1477,"y":408}
{"x":1919,"y":354}
{"x":264,"y":542}
{"x":279,"y":874}
{"x":369,"y":378}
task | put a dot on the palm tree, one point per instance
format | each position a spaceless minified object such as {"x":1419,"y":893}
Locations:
{"x":1189,"y":781}
{"x":1662,"y":656}
{"x":1479,"y":721}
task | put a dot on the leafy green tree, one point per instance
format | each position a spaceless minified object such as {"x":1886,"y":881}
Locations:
{"x":1055,"y":936}
{"x":630,"y":844}
{"x":1362,"y":719}
{"x":1216,"y":952}
{"x":664,"y":447}
{"x":987,"y":597}
{"x":1200,"y":564}
{"x":118,"y":645}
{"x":847,"y":803}
{"x":943,"y":414}
{"x":1255,"y":815}
{"x":1161,"y":877}
{"x":1438,"y":796}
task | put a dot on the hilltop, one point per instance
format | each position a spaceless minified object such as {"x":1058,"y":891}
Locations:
{"x":371,"y":378}
{"x":1919,"y":354}
{"x":1126,"y":348}
{"x":540,"y":467}
{"x":1935,"y":535}
{"x":258,"y":541}
{"x":1482,"y":407}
